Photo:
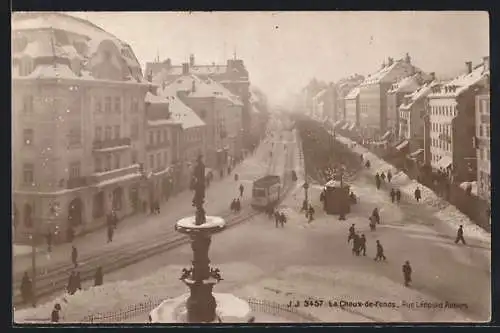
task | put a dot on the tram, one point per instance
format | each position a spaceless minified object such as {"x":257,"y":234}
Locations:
{"x":266,"y":191}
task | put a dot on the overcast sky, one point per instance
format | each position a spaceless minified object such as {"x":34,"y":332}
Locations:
{"x":284,"y":50}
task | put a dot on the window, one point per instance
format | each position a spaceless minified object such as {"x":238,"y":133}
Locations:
{"x":98,"y":105}
{"x":97,"y":164}
{"x":134,"y":156}
{"x":151,"y":161}
{"x":117,"y":131}
{"x":107,"y":133}
{"x":28,"y":173}
{"x":107,"y":104}
{"x":165,"y":160}
{"x":118,"y":104}
{"x":74,"y":170}
{"x":151,"y":138}
{"x":484,"y":106}
{"x":481,"y":132}
{"x":107,"y":166}
{"x":135,"y":105}
{"x":28,"y":104}
{"x":481,"y":154}
{"x":158,"y":136}
{"x":165,"y":136}
{"x":487,"y":131}
{"x":28,"y":136}
{"x":75,"y":137}
{"x":98,"y":133}
{"x":117,"y":161}
{"x":134,"y":131}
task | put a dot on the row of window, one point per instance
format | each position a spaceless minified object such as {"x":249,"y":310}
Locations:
{"x":441,"y":128}
{"x":484,"y":107}
{"x":110,"y":132}
{"x":191,"y":136}
{"x":160,"y":135}
{"x":109,"y":104}
{"x":107,"y":162}
{"x":484,"y":183}
{"x":483,"y":131}
{"x":29,"y":172}
{"x":441,"y":144}
{"x":160,"y":161}
{"x":74,"y":137}
{"x":444,"y":110}
{"x":484,"y":154}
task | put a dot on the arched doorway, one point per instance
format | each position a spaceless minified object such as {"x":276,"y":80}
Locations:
{"x":117,"y":199}
{"x":28,"y":219}
{"x":75,"y":212}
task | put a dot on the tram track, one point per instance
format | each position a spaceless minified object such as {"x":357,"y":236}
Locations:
{"x":55,"y":280}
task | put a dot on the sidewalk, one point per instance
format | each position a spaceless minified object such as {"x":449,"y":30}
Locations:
{"x":218,"y":198}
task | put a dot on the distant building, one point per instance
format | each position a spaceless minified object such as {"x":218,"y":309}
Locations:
{"x":452,"y":123}
{"x":483,"y":135}
{"x":374,"y":117}
{"x":342,"y":88}
{"x":352,"y":107}
{"x":78,"y":111}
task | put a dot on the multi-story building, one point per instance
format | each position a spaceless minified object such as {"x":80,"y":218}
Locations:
{"x":352,"y":107}
{"x":233,"y":76}
{"x":161,"y":148}
{"x":483,"y":142}
{"x":412,"y":113}
{"x":342,"y":88}
{"x":373,"y":95}
{"x":452,"y":123}
{"x":323,"y":103}
{"x":77,"y":90}
{"x":396,"y":93}
{"x":219,"y":109}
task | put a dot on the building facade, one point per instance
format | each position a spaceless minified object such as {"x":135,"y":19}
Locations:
{"x":373,"y":95}
{"x":452,"y":124}
{"x":342,"y":88}
{"x":483,"y":135}
{"x":352,"y":107}
{"x":75,"y":98}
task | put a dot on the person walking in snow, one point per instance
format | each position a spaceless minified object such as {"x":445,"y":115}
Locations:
{"x":310,"y":212}
{"x":71,"y":287}
{"x":398,"y":195}
{"x":352,"y":232}
{"x":98,"y":277}
{"x":460,"y":235}
{"x":382,"y":176}
{"x":282,"y":219}
{"x":110,"y":233}
{"x":49,"y":241}
{"x":74,"y":256}
{"x":418,"y":194}
{"x":367,"y":164}
{"x":236,"y":177}
{"x":78,"y":281}
{"x":407,"y":273}
{"x":26,"y":288}
{"x":54,"y":317}
{"x":304,"y":206}
{"x":377,"y":181}
{"x":380,"y":252}
{"x":376,"y":215}
{"x":277,"y":218}
{"x":373,"y":223}
{"x":241,"y":190}
{"x":362,"y":244}
{"x":393,"y":195}
{"x":389,"y":176}
{"x":355,"y":244}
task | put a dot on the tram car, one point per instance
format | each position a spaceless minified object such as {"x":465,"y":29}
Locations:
{"x":335,"y":197}
{"x":266,"y":191}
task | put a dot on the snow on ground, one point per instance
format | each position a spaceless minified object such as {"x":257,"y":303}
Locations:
{"x":445,"y":211}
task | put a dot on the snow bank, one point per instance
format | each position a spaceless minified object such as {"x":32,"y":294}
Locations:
{"x":446,"y":212}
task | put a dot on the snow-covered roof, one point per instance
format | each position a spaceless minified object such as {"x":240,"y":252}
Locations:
{"x":384,"y":72}
{"x":155,"y":99}
{"x":421,"y":92}
{"x":203,"y":70}
{"x":202,"y":88}
{"x":461,"y":83}
{"x":66,"y":36}
{"x":182,"y":113}
{"x":352,"y":94}
{"x":55,"y":71}
{"x":408,"y":84}
{"x":320,"y":94}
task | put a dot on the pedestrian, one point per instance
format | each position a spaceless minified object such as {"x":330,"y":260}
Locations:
{"x":282,"y":219}
{"x":393,"y":195}
{"x":376,"y":215}
{"x":158,"y":207}
{"x":460,"y":235}
{"x":377,"y":181}
{"x":70,"y":234}
{"x":382,"y":176}
{"x":26,"y":288}
{"x":389,"y":176}
{"x":304,"y":206}
{"x":241,"y":190}
{"x":49,"y":241}
{"x":55,"y":313}
{"x":407,"y":273}
{"x":74,"y":256}
{"x":398,"y":195}
{"x":238,"y":205}
{"x":78,"y":281}
{"x":367,"y":164}
{"x":232,"y":206}
{"x":355,"y":244}
{"x":361,"y":158}
{"x":311,"y":213}
{"x":352,"y":232}
{"x":71,"y":288}
{"x":362,"y":244}
{"x":380,"y":252}
{"x":236,"y":177}
{"x":98,"y":277}
{"x":277,"y":217}
{"x":418,"y":194}
{"x":110,"y":233}
{"x":373,"y":223}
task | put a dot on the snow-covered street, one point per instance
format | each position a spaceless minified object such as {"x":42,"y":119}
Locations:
{"x":305,"y":260}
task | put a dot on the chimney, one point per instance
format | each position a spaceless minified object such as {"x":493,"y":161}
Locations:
{"x":486,"y":63}
{"x":408,"y":58}
{"x":390,"y":61}
{"x":433,"y":76}
{"x":185,"y":68}
{"x":191,"y":60}
{"x":168,"y":63}
{"x":150,"y":76}
{"x":468,"y":66}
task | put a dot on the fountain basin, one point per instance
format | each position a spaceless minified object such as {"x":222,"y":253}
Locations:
{"x":212,"y":225}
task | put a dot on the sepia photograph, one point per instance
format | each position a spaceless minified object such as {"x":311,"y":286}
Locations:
{"x":250,"y":167}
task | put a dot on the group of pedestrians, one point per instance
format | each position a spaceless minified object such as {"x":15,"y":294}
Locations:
{"x":279,"y":219}
{"x":359,"y":244}
{"x":395,"y":195}
{"x":235,"y":205}
{"x":380,"y":178}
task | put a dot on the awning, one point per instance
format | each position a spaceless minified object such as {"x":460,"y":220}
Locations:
{"x":386,"y":136}
{"x":417,"y":153}
{"x":346,"y":125}
{"x":444,"y":162}
{"x":352,"y":126}
{"x":402,"y":145}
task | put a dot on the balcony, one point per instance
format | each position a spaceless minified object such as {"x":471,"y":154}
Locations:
{"x":130,"y":171}
{"x":76,"y":182}
{"x":111,"y":144}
